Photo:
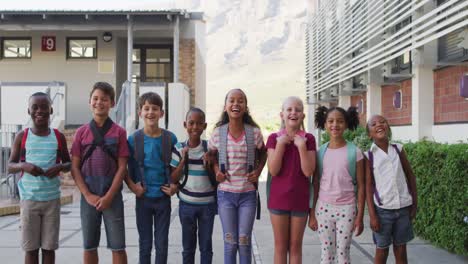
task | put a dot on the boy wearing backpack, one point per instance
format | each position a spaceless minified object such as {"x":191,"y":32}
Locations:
{"x":197,"y":189}
{"x":99,"y":160}
{"x":149,"y":178}
{"x":40,"y":154}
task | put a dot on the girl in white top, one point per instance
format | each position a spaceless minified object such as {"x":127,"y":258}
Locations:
{"x":391,"y":192}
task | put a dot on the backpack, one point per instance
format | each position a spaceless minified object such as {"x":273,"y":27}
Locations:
{"x":166,"y":153}
{"x":251,"y":154}
{"x":371,"y":161}
{"x":211,"y":176}
{"x":60,"y":147}
{"x":98,"y":140}
{"x":351,"y":156}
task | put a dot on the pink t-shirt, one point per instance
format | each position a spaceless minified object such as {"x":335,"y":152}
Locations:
{"x":237,"y":160}
{"x":336,"y":184}
{"x":289,"y":189}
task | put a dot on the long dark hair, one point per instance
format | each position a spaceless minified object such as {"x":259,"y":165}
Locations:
{"x":351,"y":116}
{"x":246,"y":118}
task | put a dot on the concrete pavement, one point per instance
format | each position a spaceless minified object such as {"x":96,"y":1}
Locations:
{"x":70,"y":251}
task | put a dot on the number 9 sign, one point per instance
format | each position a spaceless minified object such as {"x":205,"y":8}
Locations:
{"x":48,"y":43}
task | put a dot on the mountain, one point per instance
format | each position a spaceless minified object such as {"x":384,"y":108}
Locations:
{"x":256,"y":45}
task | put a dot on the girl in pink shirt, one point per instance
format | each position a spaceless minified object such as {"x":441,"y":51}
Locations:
{"x":338,"y":186}
{"x":291,"y":162}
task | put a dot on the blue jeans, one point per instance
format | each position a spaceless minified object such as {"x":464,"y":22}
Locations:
{"x":237,"y":214}
{"x":157,"y":212}
{"x":191,"y":216}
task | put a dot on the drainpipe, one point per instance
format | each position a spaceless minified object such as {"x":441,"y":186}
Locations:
{"x":176,"y":49}
{"x":129,"y":48}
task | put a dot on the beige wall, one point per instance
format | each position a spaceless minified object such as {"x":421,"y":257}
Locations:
{"x":79,"y":75}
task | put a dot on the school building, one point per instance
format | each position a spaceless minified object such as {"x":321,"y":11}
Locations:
{"x":406,"y":60}
{"x":64,"y":52}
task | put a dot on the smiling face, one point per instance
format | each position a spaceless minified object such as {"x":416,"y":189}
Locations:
{"x":40,"y":110}
{"x":378,"y":128}
{"x":335,"y":124}
{"x":293,"y":113}
{"x":151,"y":113}
{"x":236,"y":104}
{"x":100,"y":103}
{"x":195,"y":124}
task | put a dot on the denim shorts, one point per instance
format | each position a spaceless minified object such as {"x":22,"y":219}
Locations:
{"x":113,"y":222}
{"x":395,"y":227}
{"x":289,"y":212}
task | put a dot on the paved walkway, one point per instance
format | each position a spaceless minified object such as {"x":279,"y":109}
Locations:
{"x":70,"y":251}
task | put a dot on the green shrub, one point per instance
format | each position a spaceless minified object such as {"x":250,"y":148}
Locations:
{"x":442,"y":178}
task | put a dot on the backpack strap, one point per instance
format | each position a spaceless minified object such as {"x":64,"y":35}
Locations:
{"x":251,"y":147}
{"x":370,"y":155}
{"x":166,"y":153}
{"x":98,"y":139}
{"x":186,"y":167}
{"x":210,"y":173}
{"x":222,"y":150}
{"x":139,"y":154}
{"x":403,"y":167}
{"x":351,"y":155}
{"x":23,"y":145}
{"x":320,"y":156}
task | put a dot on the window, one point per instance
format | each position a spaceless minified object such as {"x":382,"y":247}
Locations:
{"x":152,"y":63}
{"x":81,"y":48}
{"x":16,"y":48}
{"x":452,"y":46}
{"x":402,"y":64}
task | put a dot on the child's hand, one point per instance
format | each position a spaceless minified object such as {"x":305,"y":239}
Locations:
{"x":92,"y":199}
{"x":358,"y":227}
{"x":374,"y":224}
{"x":138,"y":190}
{"x":169,"y":189}
{"x":283,"y":139}
{"x":183,"y":153}
{"x":253,"y":176}
{"x":53,"y":171}
{"x":313,"y":224}
{"x":32,"y":169}
{"x":299,"y":141}
{"x":413,"y":210}
{"x":103,"y":203}
{"x":220,"y":177}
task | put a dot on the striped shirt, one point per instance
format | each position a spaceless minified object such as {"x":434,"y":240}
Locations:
{"x":237,"y":160}
{"x":42,"y":152}
{"x":198,"y":180}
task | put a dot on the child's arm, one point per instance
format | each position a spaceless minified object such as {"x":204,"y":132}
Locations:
{"x":91,"y":198}
{"x":374,"y":220}
{"x":307,"y":156}
{"x":220,"y":176}
{"x":253,"y":176}
{"x":361,"y":186}
{"x":64,"y":156}
{"x":14,"y":163}
{"x":313,"y":224}
{"x":105,"y":201}
{"x":411,"y":181}
{"x":275,"y":156}
{"x":177,"y":171}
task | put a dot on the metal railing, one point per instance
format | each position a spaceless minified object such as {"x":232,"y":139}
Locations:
{"x":8,"y":182}
{"x":125,"y":113}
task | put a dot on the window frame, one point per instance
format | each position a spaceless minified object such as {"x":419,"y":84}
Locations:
{"x":143,"y":61}
{"x":2,"y":45}
{"x":67,"y":51}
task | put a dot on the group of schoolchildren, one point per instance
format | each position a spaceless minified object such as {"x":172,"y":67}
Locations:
{"x":325,"y":189}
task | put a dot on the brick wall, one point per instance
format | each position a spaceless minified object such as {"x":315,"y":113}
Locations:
{"x":449,"y":106}
{"x":354,"y":102}
{"x":397,"y":116}
{"x":187,"y":65}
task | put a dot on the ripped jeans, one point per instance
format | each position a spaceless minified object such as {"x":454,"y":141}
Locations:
{"x":237,"y":214}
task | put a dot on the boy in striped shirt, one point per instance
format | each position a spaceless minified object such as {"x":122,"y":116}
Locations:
{"x":197,"y":207}
{"x":40,"y":154}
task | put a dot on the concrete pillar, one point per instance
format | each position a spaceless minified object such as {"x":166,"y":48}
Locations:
{"x":129,"y":48}
{"x":176,"y":38}
{"x":344,"y":101}
{"x":374,"y":100}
